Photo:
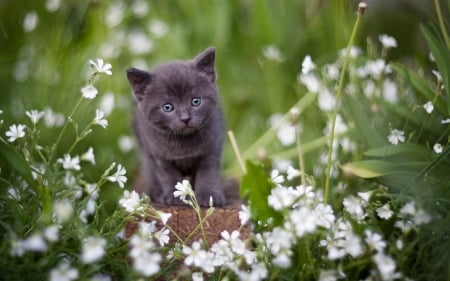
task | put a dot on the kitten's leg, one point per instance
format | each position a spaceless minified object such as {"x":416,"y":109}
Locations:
{"x":167,"y":176}
{"x":207,"y":181}
{"x":160,"y":178}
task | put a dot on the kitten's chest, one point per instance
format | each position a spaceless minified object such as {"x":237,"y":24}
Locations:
{"x":182,"y":149}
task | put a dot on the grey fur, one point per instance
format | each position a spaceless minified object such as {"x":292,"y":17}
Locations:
{"x":185,"y":143}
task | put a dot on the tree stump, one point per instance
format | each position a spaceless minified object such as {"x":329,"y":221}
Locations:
{"x":184,"y":221}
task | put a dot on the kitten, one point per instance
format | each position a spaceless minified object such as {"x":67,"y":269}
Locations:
{"x":179,"y":127}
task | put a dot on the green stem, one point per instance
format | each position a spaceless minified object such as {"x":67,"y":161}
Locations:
{"x":441,"y":23}
{"x":301,"y":158}
{"x":58,"y":140}
{"x":336,"y":106}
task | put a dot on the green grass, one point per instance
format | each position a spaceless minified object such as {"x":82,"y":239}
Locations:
{"x":48,"y":66}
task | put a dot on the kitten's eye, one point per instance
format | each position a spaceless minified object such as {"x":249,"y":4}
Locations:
{"x":168,"y":107}
{"x":196,"y":101}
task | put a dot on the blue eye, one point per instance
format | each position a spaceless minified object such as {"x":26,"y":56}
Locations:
{"x":196,"y":101}
{"x":168,"y":107}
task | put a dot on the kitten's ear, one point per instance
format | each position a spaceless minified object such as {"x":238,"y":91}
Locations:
{"x":204,"y":62}
{"x":139,"y":80}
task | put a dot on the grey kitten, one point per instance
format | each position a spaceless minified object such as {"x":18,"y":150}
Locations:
{"x":179,"y":126}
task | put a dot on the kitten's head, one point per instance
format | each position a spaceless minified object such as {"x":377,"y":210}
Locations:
{"x":177,"y":96}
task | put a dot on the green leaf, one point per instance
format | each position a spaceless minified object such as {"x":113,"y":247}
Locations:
{"x":256,"y":186}
{"x":16,"y":162}
{"x":369,"y":169}
{"x":404,"y":150}
{"x":421,"y":86}
{"x":363,"y":123}
{"x":442,"y":57}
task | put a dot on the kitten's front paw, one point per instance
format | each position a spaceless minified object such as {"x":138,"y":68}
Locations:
{"x":173,"y":201}
{"x":217,"y":196}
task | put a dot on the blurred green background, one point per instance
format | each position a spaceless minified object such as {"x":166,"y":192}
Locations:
{"x":46,"y":47}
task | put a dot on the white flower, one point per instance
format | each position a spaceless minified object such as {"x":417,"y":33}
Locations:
{"x":258,"y":272}
{"x":194,"y":254}
{"x":100,"y":67}
{"x":386,"y":266}
{"x":130,"y":201}
{"x":31,"y":21}
{"x":197,"y":276}
{"x":244,"y":214}
{"x":278,"y":240}
{"x":183,"y":189}
{"x":354,"y":52}
{"x":89,"y":156}
{"x":140,"y":43}
{"x":384,"y":212}
{"x":276,"y":177}
{"x":53,"y":119}
{"x":438,"y":75}
{"x":311,"y":82}
{"x":273,"y":53}
{"x":324,"y":215}
{"x":376,"y":67}
{"x":126,"y":143}
{"x":15,"y":132}
{"x":354,"y":206}
{"x":164,"y":217}
{"x":93,"y":249}
{"x":326,"y":99}
{"x":286,"y":134}
{"x":162,"y":236}
{"x":146,"y":229}
{"x":35,"y":243}
{"x":352,"y":245}
{"x":307,"y":65}
{"x":328,"y":275}
{"x":107,"y":103}
{"x":408,"y":209}
{"x":63,"y":210}
{"x":52,"y":5}
{"x":119,"y":176}
{"x":332,"y":71}
{"x":99,"y":119}
{"x":147,"y":263}
{"x":283,"y":259}
{"x":421,"y":217}
{"x":390,"y":91}
{"x":365,"y":196}
{"x":303,"y":220}
{"x":63,"y":273}
{"x":70,"y":163}
{"x":375,"y":241}
{"x":233,"y":241}
{"x":140,"y":246}
{"x":158,"y":28}
{"x":280,"y":198}
{"x":396,"y":136}
{"x":35,"y":115}
{"x":446,"y":121}
{"x":429,"y":107}
{"x":292,"y":173}
{"x":89,"y":92}
{"x":114,"y":14}
{"x":387,"y":41}
{"x":51,"y":233}
{"x":17,"y":248}
{"x":140,"y":8}
{"x":437,"y":147}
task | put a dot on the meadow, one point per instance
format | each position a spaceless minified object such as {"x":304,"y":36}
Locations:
{"x":340,"y":112}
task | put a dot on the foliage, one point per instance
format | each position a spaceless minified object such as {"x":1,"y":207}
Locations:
{"x":369,"y":203}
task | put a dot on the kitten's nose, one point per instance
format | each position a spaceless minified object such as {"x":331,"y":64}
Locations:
{"x":186,"y":119}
